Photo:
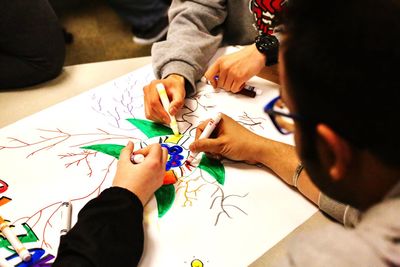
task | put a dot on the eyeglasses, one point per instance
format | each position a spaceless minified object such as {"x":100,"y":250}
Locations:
{"x":280,"y":116}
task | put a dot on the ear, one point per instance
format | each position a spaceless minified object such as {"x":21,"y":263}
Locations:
{"x":339,"y":149}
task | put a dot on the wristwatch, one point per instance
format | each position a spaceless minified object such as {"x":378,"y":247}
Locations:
{"x":269,"y":46}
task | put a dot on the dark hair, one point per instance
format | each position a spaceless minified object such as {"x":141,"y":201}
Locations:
{"x":342,"y":68}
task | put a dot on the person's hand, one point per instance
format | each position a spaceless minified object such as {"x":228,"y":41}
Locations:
{"x":145,"y":178}
{"x":175,"y":87}
{"x":230,"y":140}
{"x":235,"y":69}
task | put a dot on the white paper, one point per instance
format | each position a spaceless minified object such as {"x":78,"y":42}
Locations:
{"x":42,"y":165}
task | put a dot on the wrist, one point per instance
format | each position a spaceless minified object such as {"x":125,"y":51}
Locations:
{"x":259,"y":56}
{"x":176,"y":77}
{"x":260,"y":153}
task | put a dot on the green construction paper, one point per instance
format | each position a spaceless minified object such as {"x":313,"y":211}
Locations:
{"x":150,"y":129}
{"x":214,"y":168}
{"x":109,"y":149}
{"x":165,"y":197}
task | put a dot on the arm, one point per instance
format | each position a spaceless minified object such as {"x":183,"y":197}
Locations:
{"x":194,"y":35}
{"x":237,"y":68}
{"x":279,"y":157}
{"x":115,"y":216}
{"x":109,"y":231}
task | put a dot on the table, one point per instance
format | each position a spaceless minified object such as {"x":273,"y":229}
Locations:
{"x":76,"y":79}
{"x":73,"y":80}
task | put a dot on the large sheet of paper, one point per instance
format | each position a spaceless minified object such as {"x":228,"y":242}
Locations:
{"x":43,"y":163}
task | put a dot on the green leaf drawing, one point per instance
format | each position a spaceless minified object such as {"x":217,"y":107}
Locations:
{"x":165,"y":197}
{"x":151,"y":129}
{"x":109,"y":149}
{"x":214,"y":168}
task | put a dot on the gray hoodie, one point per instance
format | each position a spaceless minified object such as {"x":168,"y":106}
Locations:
{"x":197,"y":29}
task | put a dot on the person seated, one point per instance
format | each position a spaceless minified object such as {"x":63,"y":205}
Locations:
{"x":32,"y":46}
{"x":197,"y":29}
{"x":345,"y":137}
{"x":109,"y":230}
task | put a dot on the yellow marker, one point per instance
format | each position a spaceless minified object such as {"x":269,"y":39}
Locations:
{"x":165,"y":102}
{"x":14,"y":241}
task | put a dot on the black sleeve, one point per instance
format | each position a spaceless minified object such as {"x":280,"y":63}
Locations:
{"x":109,"y":232}
{"x":32,"y":47}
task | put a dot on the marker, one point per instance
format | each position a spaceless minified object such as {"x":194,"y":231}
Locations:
{"x":66,"y":213}
{"x":138,"y":158}
{"x":247,"y":90}
{"x":165,"y":102}
{"x":206,"y":133}
{"x":23,"y":253}
{"x":5,"y":263}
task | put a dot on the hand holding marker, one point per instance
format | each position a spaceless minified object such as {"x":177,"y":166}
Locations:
{"x":206,"y":133}
{"x":247,"y":90}
{"x":165,"y":102}
{"x":136,"y":159}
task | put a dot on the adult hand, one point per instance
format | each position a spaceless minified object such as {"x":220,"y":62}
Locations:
{"x":230,"y":140}
{"x":175,"y":87}
{"x":235,"y":69}
{"x":145,"y":178}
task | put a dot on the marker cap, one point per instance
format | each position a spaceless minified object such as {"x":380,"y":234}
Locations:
{"x":138,"y":158}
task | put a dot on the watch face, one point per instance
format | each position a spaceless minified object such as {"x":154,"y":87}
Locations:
{"x":266,"y":43}
{"x":269,"y":46}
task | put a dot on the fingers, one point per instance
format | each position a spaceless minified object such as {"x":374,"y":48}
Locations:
{"x":164,"y":157}
{"x":214,"y":156}
{"x":144,"y":151}
{"x":212,"y":72}
{"x":153,"y":107}
{"x":201,"y":128}
{"x":155,"y":152}
{"x":126,"y":152}
{"x":222,"y":79}
{"x":178,"y":98}
{"x":229,"y":82}
{"x":237,"y":86}
{"x":209,"y":145}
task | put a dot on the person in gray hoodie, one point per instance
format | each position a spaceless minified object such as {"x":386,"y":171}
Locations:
{"x":197,"y":29}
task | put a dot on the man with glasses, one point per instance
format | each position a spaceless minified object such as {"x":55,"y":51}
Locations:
{"x":337,"y":59}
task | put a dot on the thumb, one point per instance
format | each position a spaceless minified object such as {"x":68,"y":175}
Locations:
{"x":208,"y":145}
{"x":126,"y":152}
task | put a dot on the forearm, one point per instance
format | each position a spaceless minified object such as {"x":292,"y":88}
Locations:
{"x":109,"y":232}
{"x":283,"y":161}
